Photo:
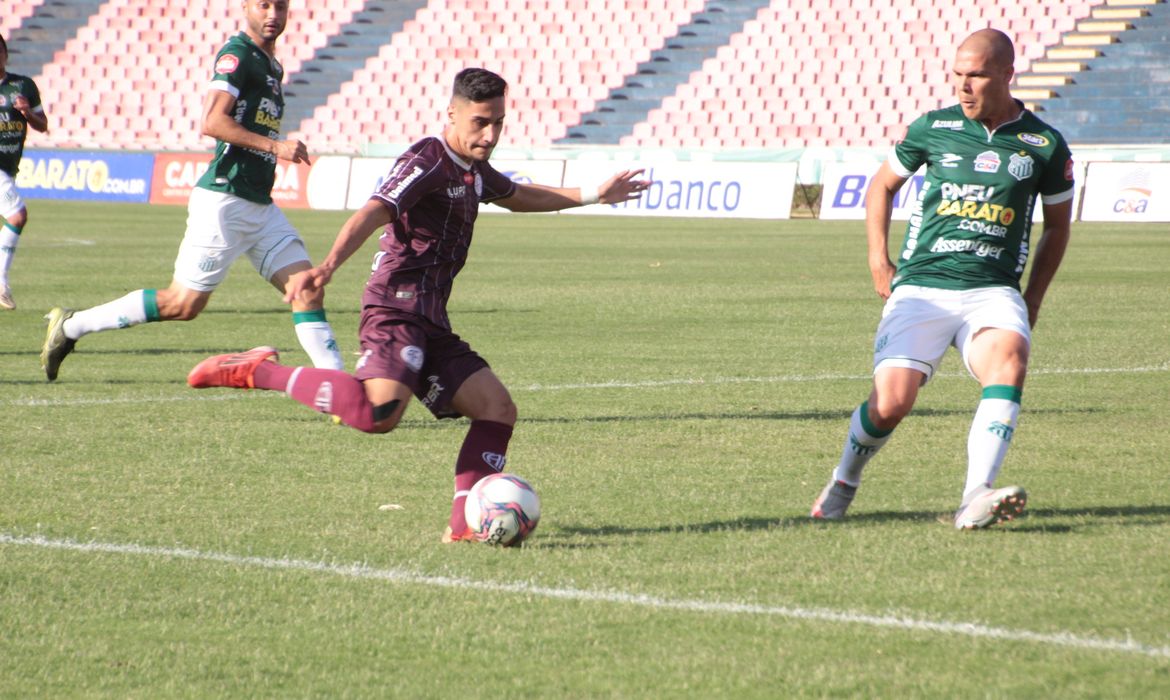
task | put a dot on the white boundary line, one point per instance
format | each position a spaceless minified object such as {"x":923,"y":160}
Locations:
{"x":616,"y":384}
{"x":400,"y":576}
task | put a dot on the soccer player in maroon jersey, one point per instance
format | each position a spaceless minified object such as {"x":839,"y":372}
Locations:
{"x":428,"y":205}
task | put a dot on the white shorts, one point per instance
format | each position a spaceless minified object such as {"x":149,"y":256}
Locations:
{"x":919,"y":324}
{"x":10,"y":201}
{"x":222,"y":227}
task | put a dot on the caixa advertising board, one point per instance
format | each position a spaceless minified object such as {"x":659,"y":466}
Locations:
{"x":321,"y":185}
{"x":84,"y":175}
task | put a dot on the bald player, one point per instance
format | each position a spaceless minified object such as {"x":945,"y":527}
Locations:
{"x":957,"y":279}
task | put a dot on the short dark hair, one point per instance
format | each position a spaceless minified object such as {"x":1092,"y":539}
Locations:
{"x":3,"y":44}
{"x":479,"y":85}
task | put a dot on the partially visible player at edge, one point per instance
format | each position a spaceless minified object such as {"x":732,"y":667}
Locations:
{"x":957,"y":281}
{"x":20,"y":108}
{"x":428,"y":205}
{"x":230,"y":212}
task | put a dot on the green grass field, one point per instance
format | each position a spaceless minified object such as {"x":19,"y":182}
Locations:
{"x":684,"y":388}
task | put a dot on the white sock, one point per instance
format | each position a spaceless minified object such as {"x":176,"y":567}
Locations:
{"x":127,"y":311}
{"x":991,"y":435}
{"x":316,"y":337}
{"x":860,"y":446}
{"x":8,"y":240}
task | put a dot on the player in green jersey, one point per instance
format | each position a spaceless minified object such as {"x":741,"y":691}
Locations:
{"x":957,"y":279}
{"x":20,"y":108}
{"x":230,"y":212}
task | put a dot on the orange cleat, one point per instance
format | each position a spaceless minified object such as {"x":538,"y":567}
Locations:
{"x":233,"y":371}
{"x":449,"y":536}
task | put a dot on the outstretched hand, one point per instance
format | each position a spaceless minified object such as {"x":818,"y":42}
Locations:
{"x":305,"y":282}
{"x":622,"y":187}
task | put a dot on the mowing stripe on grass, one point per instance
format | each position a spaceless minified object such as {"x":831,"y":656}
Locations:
{"x":615,"y":384}
{"x":361,"y":571}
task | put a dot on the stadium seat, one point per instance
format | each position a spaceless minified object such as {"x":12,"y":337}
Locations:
{"x":791,"y":64}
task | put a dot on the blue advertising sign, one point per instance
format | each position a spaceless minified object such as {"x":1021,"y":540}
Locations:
{"x":89,"y":175}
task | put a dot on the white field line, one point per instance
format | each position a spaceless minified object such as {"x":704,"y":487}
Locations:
{"x":615,"y":384}
{"x":400,"y":576}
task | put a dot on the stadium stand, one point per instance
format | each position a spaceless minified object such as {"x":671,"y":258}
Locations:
{"x":1110,"y":86}
{"x":36,"y":30}
{"x":15,"y":13}
{"x":742,"y":74}
{"x":667,"y":67}
{"x":353,"y":36}
{"x":578,"y":53}
{"x":837,"y":73}
{"x":135,"y":73}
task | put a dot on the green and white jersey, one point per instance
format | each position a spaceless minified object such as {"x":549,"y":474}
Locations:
{"x":971,"y":223}
{"x":253,"y":78}
{"x":13,"y":127}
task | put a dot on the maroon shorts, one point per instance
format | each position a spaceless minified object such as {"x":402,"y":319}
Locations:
{"x":432,"y":361}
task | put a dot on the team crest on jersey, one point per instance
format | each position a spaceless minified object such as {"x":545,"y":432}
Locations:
{"x":1033,"y":139}
{"x":1020,"y":166}
{"x":478,"y":185}
{"x":987,"y":162}
{"x":227,"y":64}
{"x":273,"y":84}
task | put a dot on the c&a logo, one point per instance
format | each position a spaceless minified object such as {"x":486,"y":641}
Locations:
{"x":1134,"y":195}
{"x":1132,"y":200}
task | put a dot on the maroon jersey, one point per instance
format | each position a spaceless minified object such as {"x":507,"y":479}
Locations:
{"x":434,"y":196}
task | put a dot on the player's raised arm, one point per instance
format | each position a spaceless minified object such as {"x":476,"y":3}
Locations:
{"x":533,"y":198}
{"x":354,"y":232}
{"x":218,"y":123}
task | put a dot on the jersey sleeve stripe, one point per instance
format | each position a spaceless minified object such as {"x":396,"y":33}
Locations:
{"x":1058,"y":198}
{"x":226,"y":87}
{"x":896,"y":164}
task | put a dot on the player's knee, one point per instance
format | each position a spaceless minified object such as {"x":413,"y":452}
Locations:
{"x":384,"y":426}
{"x":887,"y":411}
{"x":179,"y":311}
{"x":19,"y":219}
{"x":502,"y":410}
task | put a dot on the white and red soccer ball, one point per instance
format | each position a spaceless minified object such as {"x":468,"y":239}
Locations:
{"x":502,"y":509}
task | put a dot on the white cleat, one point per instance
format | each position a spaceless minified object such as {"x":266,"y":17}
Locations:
{"x":990,"y":507}
{"x":6,"y":301}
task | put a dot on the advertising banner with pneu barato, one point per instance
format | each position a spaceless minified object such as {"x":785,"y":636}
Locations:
{"x":106,"y":177}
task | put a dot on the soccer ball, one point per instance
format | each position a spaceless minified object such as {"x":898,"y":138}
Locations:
{"x":502,"y":509}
